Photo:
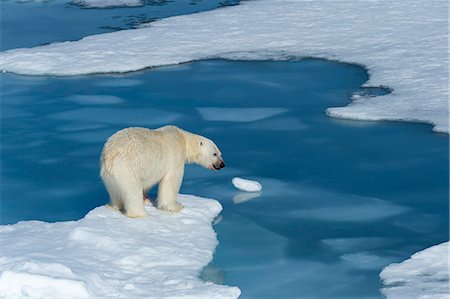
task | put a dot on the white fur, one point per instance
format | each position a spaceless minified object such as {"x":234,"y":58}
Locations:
{"x":135,"y":159}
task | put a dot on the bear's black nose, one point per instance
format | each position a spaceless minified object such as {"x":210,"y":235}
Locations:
{"x":222,"y":165}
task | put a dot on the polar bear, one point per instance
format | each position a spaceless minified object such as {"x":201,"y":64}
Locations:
{"x":135,"y":159}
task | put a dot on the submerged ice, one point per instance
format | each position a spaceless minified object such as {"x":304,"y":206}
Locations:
{"x":108,"y":255}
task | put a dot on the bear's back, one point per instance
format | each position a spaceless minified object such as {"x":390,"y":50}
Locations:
{"x":134,"y":145}
{"x":125,"y":144}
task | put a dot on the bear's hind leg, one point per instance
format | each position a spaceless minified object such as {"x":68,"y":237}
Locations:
{"x":114,"y":192}
{"x":131,"y":194}
{"x":168,"y":191}
{"x":134,"y":205}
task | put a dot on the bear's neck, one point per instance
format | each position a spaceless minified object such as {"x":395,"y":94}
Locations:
{"x":191,"y":147}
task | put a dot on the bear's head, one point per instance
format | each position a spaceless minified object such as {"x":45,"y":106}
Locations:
{"x":210,"y":156}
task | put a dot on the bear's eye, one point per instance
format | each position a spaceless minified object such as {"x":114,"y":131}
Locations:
{"x":214,"y":154}
{"x":201,"y":143}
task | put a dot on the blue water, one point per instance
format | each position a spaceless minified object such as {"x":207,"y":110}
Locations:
{"x":341,"y":198}
{"x":32,"y":23}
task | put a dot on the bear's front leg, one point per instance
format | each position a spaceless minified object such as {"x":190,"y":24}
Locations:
{"x":168,"y":190}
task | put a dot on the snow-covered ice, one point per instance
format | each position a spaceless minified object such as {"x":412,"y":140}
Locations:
{"x":402,"y":43}
{"x":106,"y":254}
{"x":246,"y":185}
{"x":107,"y":3}
{"x":425,"y":275}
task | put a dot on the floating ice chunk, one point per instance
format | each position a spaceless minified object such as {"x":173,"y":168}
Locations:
{"x":106,"y":254}
{"x":425,"y":275}
{"x":246,"y":185}
{"x":107,"y":3}
{"x":238,"y":114}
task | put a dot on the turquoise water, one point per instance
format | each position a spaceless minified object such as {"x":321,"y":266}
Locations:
{"x":341,"y":198}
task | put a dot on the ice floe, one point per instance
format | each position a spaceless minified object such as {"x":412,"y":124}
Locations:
{"x":246,"y":185}
{"x":108,"y":255}
{"x":402,"y":43}
{"x":425,"y":275}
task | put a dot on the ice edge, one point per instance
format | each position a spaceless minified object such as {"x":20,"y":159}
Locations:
{"x":106,"y":254}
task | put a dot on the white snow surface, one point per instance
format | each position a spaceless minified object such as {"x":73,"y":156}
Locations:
{"x":423,"y":276}
{"x":107,"y":3}
{"x":403,"y":44}
{"x":246,"y":185}
{"x":106,"y":254}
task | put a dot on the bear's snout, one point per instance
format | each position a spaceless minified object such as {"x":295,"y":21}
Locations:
{"x":219,"y":165}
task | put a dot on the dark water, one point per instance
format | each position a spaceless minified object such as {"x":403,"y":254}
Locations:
{"x":34,"y":22}
{"x":341,"y":199}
